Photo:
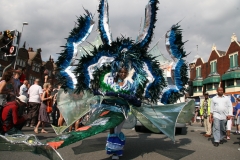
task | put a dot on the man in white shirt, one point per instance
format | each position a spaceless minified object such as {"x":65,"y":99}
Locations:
{"x":221,"y":111}
{"x":35,"y":92}
{"x":24,"y":89}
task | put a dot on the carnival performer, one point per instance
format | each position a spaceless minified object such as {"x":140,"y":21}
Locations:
{"x":135,"y":84}
{"x":116,"y":139}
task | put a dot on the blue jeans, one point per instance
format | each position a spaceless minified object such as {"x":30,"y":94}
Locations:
{"x":219,"y":129}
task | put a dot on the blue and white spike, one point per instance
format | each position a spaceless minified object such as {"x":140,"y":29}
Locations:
{"x":72,"y":45}
{"x":104,"y":22}
{"x":76,"y":44}
{"x":176,"y":54}
{"x":150,"y":18}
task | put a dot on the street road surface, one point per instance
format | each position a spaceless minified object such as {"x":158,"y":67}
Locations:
{"x":191,"y":145}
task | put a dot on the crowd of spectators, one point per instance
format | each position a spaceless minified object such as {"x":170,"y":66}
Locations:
{"x":219,"y":115}
{"x":22,"y":104}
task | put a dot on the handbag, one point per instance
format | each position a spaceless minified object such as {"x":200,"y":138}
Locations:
{"x":49,"y":107}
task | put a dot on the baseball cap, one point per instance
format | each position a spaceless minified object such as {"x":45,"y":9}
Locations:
{"x":238,"y":96}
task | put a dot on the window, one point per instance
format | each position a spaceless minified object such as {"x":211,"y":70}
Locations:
{"x":197,"y":89}
{"x":31,"y":79}
{"x":238,"y":81}
{"x":194,"y":89}
{"x":233,"y":60}
{"x":21,"y":62}
{"x":230,"y":82}
{"x":213,"y":66}
{"x":36,"y":67}
{"x":209,"y":86}
{"x":215,"y":85}
{"x":198,"y":72}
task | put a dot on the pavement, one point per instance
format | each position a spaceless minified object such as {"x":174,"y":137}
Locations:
{"x":197,"y":126}
{"x":145,"y":145}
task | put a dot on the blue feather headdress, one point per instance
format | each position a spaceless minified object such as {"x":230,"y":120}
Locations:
{"x":76,"y":37}
{"x":175,"y":47}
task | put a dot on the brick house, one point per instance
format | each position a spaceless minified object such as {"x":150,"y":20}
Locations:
{"x":32,"y":61}
{"x":221,"y":69}
{"x":49,"y":68}
{"x":34,"y":68}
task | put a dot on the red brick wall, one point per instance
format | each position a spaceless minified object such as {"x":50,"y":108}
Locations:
{"x":223,"y":62}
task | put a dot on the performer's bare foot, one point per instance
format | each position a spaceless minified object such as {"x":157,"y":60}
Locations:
{"x":36,"y":130}
{"x":43,"y":131}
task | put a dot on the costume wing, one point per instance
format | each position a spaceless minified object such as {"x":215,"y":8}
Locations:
{"x":30,"y":143}
{"x":164,"y":118}
{"x":73,"y":106}
{"x":104,"y":115}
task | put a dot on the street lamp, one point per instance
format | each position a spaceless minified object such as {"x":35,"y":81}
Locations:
{"x":24,"y":23}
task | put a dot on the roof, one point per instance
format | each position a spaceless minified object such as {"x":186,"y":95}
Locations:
{"x":195,"y":59}
{"x":221,"y":52}
{"x":32,"y":55}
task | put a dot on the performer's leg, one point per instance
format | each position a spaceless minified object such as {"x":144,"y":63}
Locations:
{"x":118,"y":128}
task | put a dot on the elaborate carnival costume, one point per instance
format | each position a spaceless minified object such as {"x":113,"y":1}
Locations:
{"x":93,"y":87}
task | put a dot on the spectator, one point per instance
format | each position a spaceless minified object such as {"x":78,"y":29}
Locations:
{"x":205,"y":113}
{"x":237,"y":117}
{"x":24,"y":88}
{"x":16,"y":84}
{"x":12,"y":117}
{"x":75,"y":125}
{"x":35,"y":93}
{"x":197,"y":114}
{"x":43,"y":115}
{"x":221,"y":111}
{"x":22,"y":76}
{"x":55,"y":110}
{"x":4,"y":91}
{"x":228,"y":128}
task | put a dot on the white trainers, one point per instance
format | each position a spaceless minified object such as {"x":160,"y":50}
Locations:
{"x":115,"y":157}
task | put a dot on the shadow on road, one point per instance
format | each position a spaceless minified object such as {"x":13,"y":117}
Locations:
{"x":135,"y":147}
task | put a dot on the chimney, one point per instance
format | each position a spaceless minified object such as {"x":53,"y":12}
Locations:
{"x":234,"y":38}
{"x":24,"y":45}
{"x":214,"y":47}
